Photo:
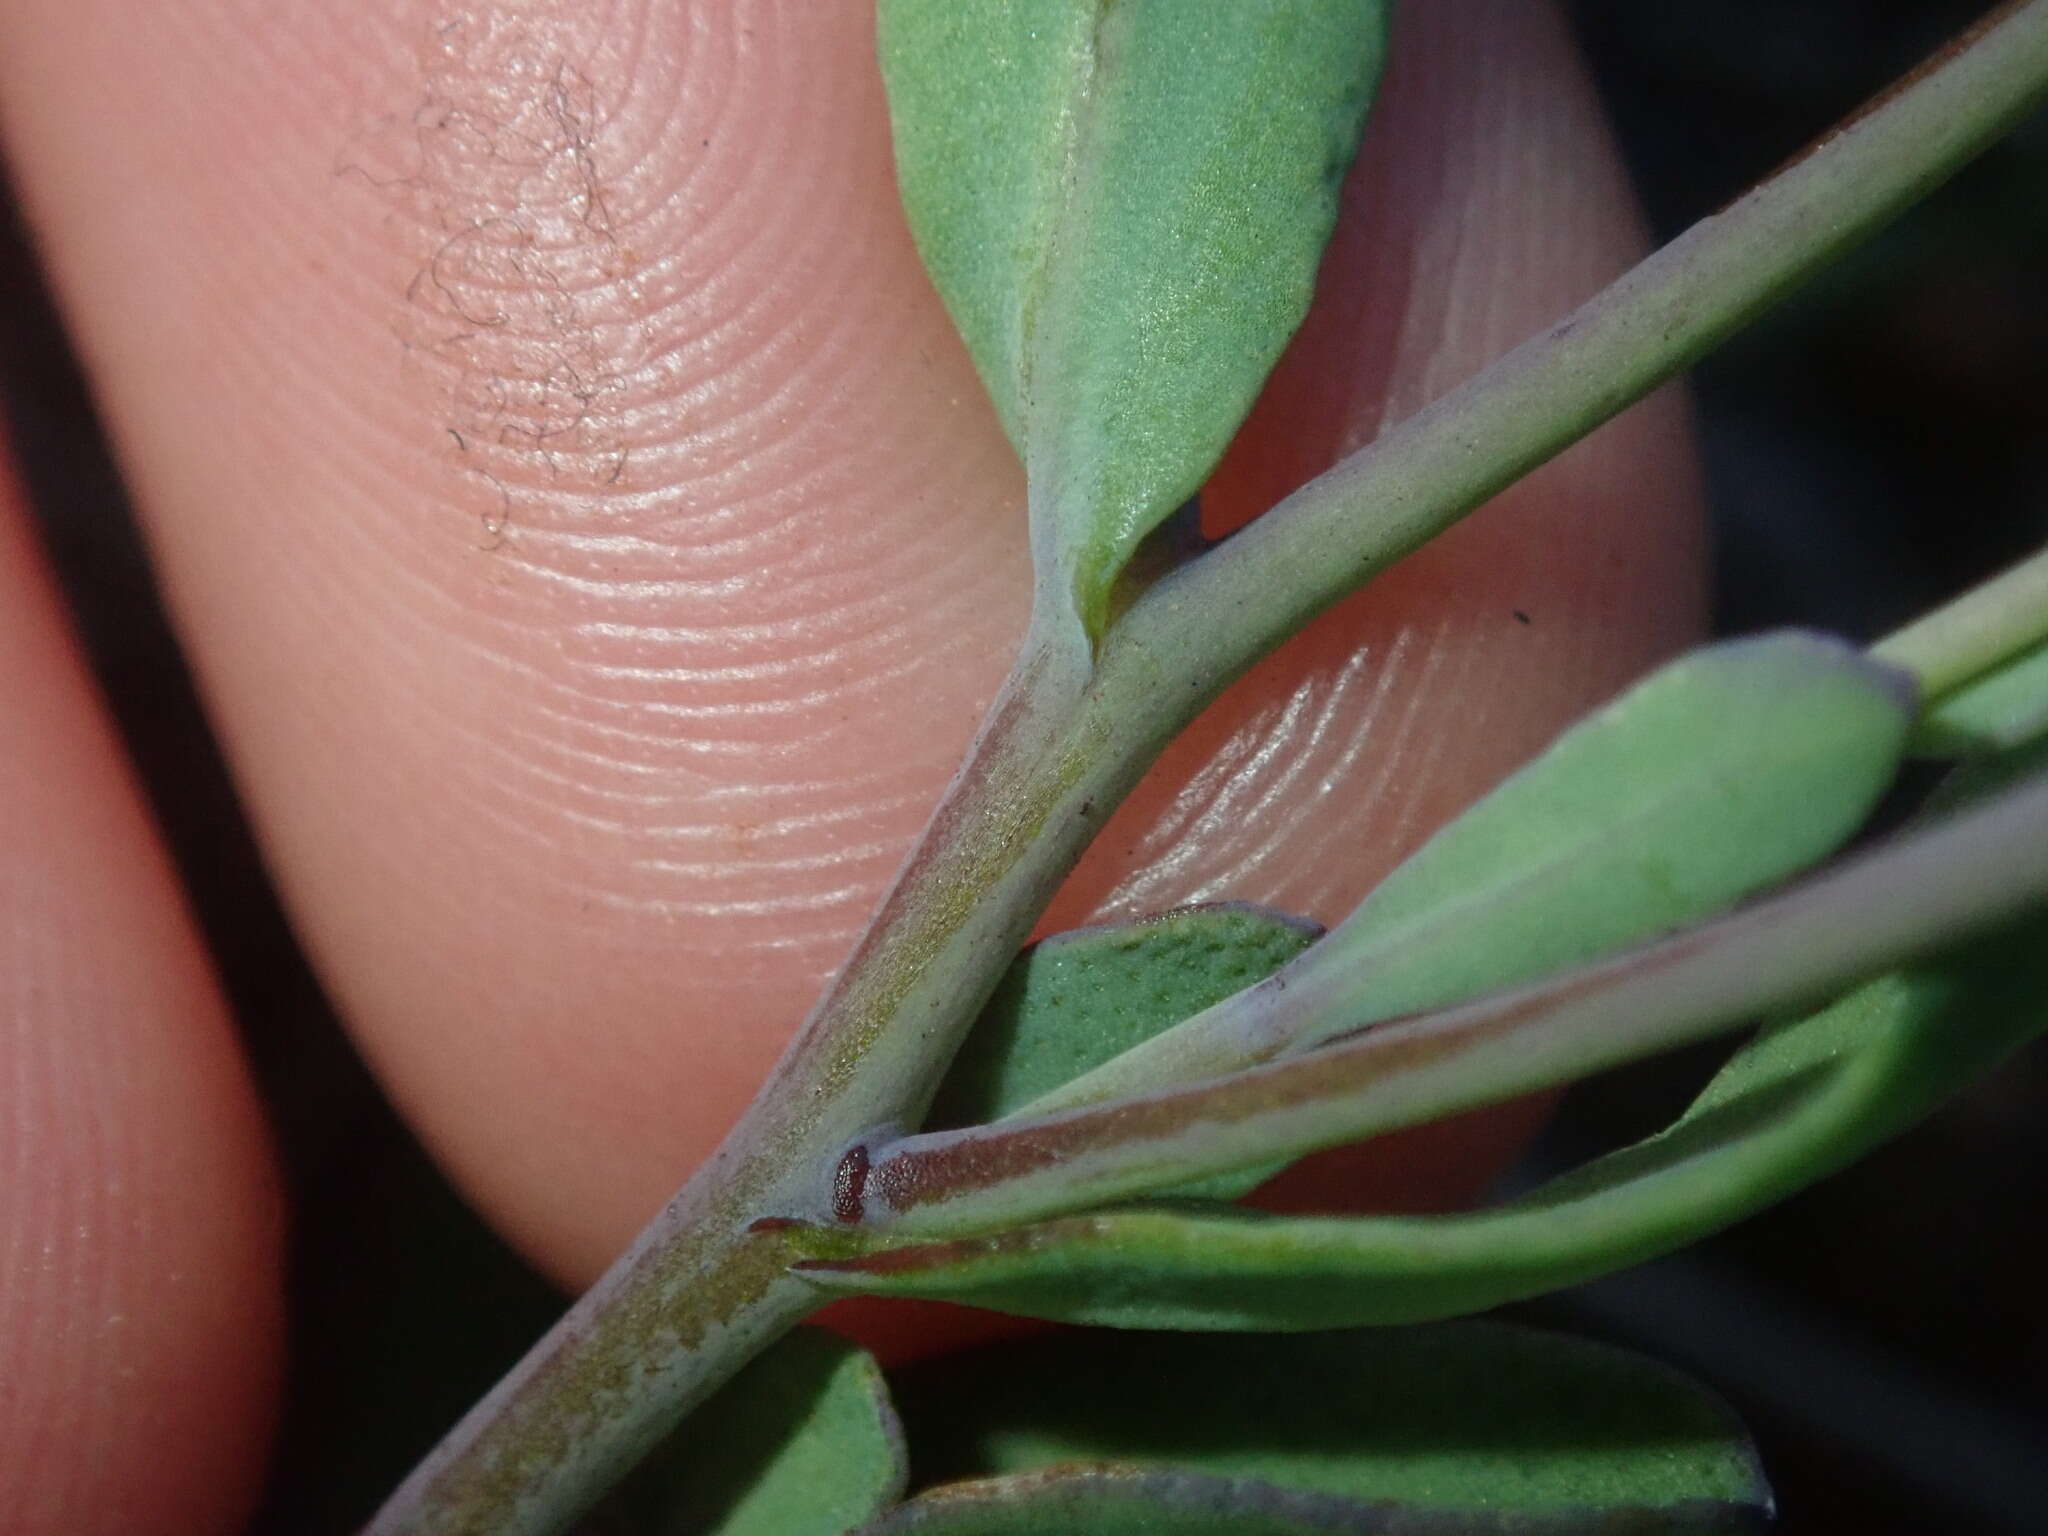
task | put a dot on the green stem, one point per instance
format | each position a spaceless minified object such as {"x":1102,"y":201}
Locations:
{"x":1892,"y":906}
{"x":1990,"y":624}
{"x":1220,"y":613}
{"x":704,"y":1288}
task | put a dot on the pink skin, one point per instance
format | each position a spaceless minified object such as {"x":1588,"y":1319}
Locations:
{"x":596,"y":549}
{"x":139,"y":1306}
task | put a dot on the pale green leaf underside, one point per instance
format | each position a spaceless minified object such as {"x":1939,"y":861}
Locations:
{"x":1450,"y":1431}
{"x":1721,"y":774}
{"x":1123,"y":204}
{"x":1079,"y":998}
{"x":803,"y":1442}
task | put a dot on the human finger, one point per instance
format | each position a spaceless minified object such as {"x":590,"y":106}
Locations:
{"x":139,"y":1221}
{"x":597,"y":549}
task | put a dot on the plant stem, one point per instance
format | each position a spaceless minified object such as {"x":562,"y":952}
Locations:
{"x":1220,"y":613}
{"x":703,"y":1289}
{"x":1990,"y":624}
{"x":1892,"y":906}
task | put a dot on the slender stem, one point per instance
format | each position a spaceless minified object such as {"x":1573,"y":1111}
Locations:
{"x":1221,"y":612}
{"x":1991,"y":623}
{"x":1911,"y":897}
{"x":704,"y":1288}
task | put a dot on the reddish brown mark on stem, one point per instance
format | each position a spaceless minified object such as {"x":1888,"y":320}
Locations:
{"x":849,"y":1186}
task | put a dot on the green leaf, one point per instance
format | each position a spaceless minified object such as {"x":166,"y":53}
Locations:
{"x":1073,"y":1001}
{"x":1123,"y":204}
{"x":1451,"y":1431}
{"x":2003,"y":709}
{"x":1719,"y":775}
{"x":1802,"y":1100}
{"x":1911,"y":900}
{"x":803,"y":1442}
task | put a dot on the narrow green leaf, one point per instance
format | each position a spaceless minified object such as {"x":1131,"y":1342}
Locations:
{"x":1804,"y":1099}
{"x":1722,"y":773}
{"x":1471,"y":1430}
{"x":803,"y":1442}
{"x":2004,"y":709}
{"x":1915,"y":898}
{"x":1123,"y":205}
{"x":1073,"y":1001}
{"x":1719,"y":775}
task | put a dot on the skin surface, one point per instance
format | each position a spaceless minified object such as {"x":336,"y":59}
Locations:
{"x":596,"y":550}
{"x":139,"y":1306}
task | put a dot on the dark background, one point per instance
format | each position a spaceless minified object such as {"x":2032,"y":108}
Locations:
{"x":1873,"y":447}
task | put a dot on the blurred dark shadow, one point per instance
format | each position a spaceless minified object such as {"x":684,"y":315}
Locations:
{"x":1872,"y":448}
